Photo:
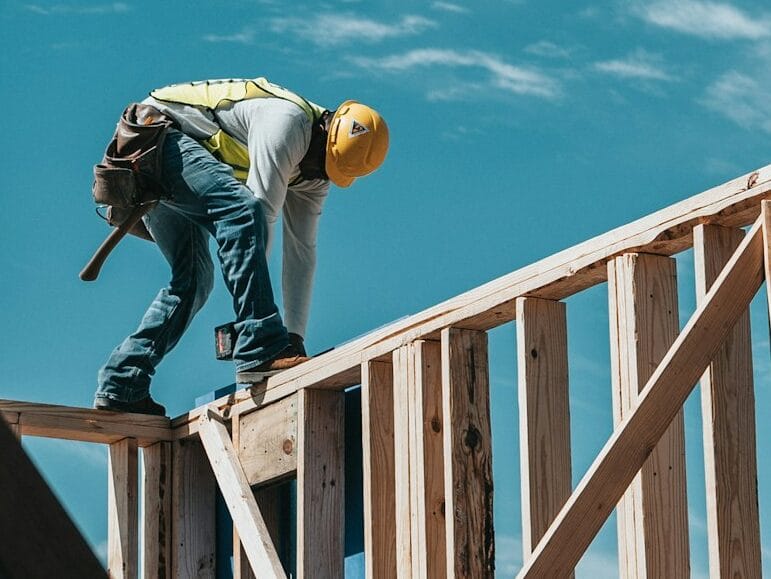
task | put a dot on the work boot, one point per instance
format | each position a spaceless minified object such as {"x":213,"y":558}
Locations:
{"x":144,"y":406}
{"x":287,"y":358}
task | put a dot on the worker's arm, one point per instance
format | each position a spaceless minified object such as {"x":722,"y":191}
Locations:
{"x":302,"y":210}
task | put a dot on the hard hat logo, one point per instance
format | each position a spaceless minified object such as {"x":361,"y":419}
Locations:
{"x":357,"y":143}
{"x":357,"y":129}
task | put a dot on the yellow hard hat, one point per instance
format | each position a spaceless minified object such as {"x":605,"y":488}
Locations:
{"x":357,"y":143}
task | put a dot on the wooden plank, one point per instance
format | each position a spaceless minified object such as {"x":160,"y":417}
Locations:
{"x":544,"y":415}
{"x":157,"y":484}
{"x":665,"y":232}
{"x":267,"y":444}
{"x":403,"y":493}
{"x":661,"y":399}
{"x":87,"y":425}
{"x":468,"y":454}
{"x":653,"y":515}
{"x":11,"y":419}
{"x":766,"y":214}
{"x":427,"y":461}
{"x":38,"y":537}
{"x":193,"y":512}
{"x":320,"y":485}
{"x":122,"y":513}
{"x":377,"y":415}
{"x":728,"y":417}
{"x":238,"y":496}
{"x":241,"y":567}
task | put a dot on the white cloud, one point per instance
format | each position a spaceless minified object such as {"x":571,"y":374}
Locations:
{"x":335,"y":29}
{"x":639,"y":65}
{"x":714,"y":20}
{"x":547,"y":49}
{"x":503,"y":76}
{"x":449,"y":7}
{"x":741,"y":99}
{"x":508,"y":555}
{"x":246,"y":36}
{"x":113,"y":8}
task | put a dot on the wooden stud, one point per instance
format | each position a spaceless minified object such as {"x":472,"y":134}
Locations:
{"x":766,"y":216}
{"x":157,"y":510}
{"x":193,"y":512}
{"x":377,"y":412}
{"x":122,"y":513}
{"x":38,"y":537}
{"x":239,"y":497}
{"x":403,"y":506}
{"x":728,"y":416}
{"x":653,"y":515}
{"x":467,"y":454}
{"x":544,"y":415}
{"x":320,"y":485}
{"x":241,"y":567}
{"x":661,"y":399}
{"x":267,"y":441}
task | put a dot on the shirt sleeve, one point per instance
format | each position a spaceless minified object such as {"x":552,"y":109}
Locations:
{"x":302,"y":211}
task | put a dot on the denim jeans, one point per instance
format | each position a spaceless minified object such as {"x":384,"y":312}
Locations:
{"x":205,"y":200}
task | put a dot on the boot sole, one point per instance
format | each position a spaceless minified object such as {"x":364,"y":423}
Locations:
{"x":255,"y":377}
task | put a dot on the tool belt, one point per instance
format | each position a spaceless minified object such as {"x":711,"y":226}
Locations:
{"x":129,"y":174}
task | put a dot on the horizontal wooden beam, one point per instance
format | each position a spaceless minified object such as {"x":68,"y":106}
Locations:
{"x":664,"y":394}
{"x":666,"y":232}
{"x":85,"y":424}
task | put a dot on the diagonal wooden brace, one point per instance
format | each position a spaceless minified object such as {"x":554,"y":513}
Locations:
{"x":663,"y":396}
{"x":240,"y":500}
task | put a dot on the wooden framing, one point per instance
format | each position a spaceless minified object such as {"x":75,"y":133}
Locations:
{"x":660,"y":400}
{"x":157,"y":463}
{"x":377,"y":412}
{"x":728,"y":416}
{"x":238,"y":495}
{"x":320,"y":485}
{"x":544,"y":415}
{"x":426,"y":419}
{"x":122,"y":513}
{"x":468,"y":478}
{"x":653,"y":514}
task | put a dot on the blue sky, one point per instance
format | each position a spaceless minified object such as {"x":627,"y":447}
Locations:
{"x":519,"y":128}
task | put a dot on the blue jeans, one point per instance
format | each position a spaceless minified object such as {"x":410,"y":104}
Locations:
{"x":205,"y":200}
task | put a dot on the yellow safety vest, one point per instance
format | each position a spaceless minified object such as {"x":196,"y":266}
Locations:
{"x":214,"y":94}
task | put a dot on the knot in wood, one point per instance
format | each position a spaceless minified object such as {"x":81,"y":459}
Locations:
{"x":288,"y":446}
{"x":472,"y":437}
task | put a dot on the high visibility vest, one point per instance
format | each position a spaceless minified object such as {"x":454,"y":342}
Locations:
{"x":215,"y":94}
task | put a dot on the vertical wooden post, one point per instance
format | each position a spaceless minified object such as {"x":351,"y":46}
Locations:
{"x":728,"y":415}
{"x":320,"y":484}
{"x":157,"y":510}
{"x":377,"y":411}
{"x":467,"y":454}
{"x":241,"y":567}
{"x":653,"y":514}
{"x":404,"y":539}
{"x":122,"y":512}
{"x":765,"y":208}
{"x":544,"y":415}
{"x":193,"y":512}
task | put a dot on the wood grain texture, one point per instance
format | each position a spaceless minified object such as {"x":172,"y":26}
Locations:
{"x":33,"y":522}
{"x":157,"y":463}
{"x":122,"y":510}
{"x":659,"y":402}
{"x":766,"y":216}
{"x":239,"y":498}
{"x":666,"y":232}
{"x":320,"y":484}
{"x":402,"y":431}
{"x":468,"y":454}
{"x":193,"y":512}
{"x":267,"y":442}
{"x":728,"y":417}
{"x":377,"y":415}
{"x":653,"y":514}
{"x":241,"y":567}
{"x":544,"y":415}
{"x":87,"y":425}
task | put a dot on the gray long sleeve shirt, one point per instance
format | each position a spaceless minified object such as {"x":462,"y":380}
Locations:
{"x":277,"y":134}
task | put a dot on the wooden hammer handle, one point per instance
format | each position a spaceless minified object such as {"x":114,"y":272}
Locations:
{"x":91,"y":271}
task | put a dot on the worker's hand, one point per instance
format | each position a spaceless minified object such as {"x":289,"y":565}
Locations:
{"x":297,"y":342}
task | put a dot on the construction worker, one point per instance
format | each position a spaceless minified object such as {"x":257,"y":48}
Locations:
{"x":240,"y":152}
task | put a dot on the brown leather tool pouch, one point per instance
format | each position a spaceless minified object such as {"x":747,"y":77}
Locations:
{"x":130,"y":172}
